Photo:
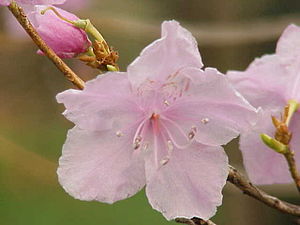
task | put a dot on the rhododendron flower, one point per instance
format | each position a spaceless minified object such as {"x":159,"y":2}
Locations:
{"x":33,"y":2}
{"x":64,"y":38}
{"x":159,"y":124}
{"x":270,"y":82}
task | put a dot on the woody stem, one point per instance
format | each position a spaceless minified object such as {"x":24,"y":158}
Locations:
{"x":241,"y":182}
{"x":194,"y":221}
{"x":289,"y":156}
{"x":19,"y":14}
{"x":293,"y":106}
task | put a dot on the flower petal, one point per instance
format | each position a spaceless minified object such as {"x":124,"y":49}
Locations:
{"x":263,"y":165}
{"x":176,"y":49}
{"x":106,"y":102}
{"x":212,"y":106}
{"x":190,"y":184}
{"x":100,"y":166}
{"x":288,"y":45}
{"x":264,"y":83}
{"x":288,"y":48}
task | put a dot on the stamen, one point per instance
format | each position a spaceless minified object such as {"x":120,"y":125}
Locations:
{"x":146,"y":146}
{"x":205,"y":120}
{"x":166,"y":103}
{"x":119,"y":133}
{"x":173,"y":140}
{"x":137,"y":137}
{"x":192,"y":133}
{"x":170,"y":146}
{"x":137,"y":142}
{"x":163,"y":162}
{"x":57,"y":14}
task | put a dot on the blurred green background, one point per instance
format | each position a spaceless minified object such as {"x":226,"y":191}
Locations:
{"x":32,"y":130}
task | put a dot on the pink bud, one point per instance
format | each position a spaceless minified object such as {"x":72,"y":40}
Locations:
{"x":64,"y":38}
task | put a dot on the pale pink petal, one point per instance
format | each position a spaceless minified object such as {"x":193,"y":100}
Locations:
{"x":288,"y":46}
{"x":264,"y":83}
{"x":105,"y":103}
{"x":212,"y":106}
{"x":176,"y":49}
{"x":263,"y":165}
{"x":100,"y":166}
{"x":273,"y":78}
{"x":190,"y":184}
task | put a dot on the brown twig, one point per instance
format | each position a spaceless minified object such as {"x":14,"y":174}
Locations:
{"x":194,"y":221}
{"x":58,"y":62}
{"x":248,"y":188}
{"x":289,"y":156}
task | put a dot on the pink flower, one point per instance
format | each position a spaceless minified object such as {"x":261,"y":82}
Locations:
{"x":159,"y":124}
{"x":33,"y":2}
{"x":64,"y":38}
{"x":269,"y":82}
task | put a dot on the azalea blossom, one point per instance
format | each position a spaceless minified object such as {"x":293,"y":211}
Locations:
{"x":64,"y":38}
{"x":159,"y":124}
{"x":270,"y":82}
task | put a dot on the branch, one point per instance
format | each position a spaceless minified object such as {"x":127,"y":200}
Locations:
{"x":58,"y":62}
{"x":289,"y":156}
{"x":194,"y":221}
{"x":248,"y":188}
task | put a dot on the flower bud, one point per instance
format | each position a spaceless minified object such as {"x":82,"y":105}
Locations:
{"x":64,"y":38}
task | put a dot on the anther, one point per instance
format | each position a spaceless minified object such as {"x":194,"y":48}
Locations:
{"x":164,"y":161}
{"x":192,"y":133}
{"x":137,"y":142}
{"x":170,"y":145}
{"x":119,"y":133}
{"x":146,"y":146}
{"x":205,"y":120}
{"x":166,"y":103}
